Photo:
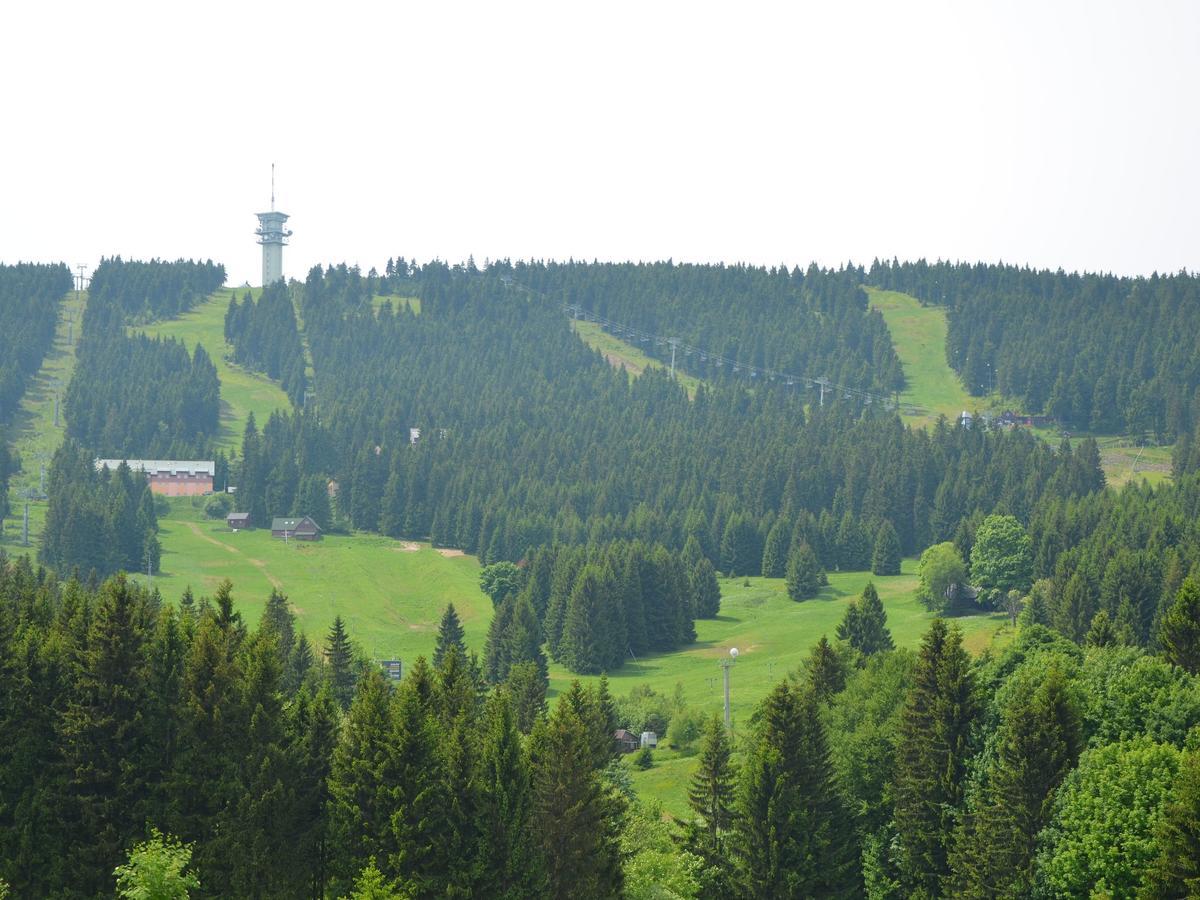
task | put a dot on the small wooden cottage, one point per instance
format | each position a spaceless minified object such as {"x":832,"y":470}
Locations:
{"x":238,"y":521}
{"x":295,"y":529}
{"x":626,"y":741}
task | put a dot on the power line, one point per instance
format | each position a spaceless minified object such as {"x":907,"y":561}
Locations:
{"x":630,"y":333}
{"x":635,"y":335}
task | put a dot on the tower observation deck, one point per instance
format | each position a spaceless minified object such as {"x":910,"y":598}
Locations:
{"x":272,"y":234}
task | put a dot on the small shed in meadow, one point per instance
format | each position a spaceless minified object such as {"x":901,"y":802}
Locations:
{"x":626,"y":741}
{"x":649,"y":739}
{"x":238,"y":521}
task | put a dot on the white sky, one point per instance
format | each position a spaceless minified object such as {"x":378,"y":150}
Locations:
{"x":1054,"y":133}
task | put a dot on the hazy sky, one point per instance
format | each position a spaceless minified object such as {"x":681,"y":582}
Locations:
{"x":1058,"y":134}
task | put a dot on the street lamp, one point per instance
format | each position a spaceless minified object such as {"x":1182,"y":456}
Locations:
{"x":726,"y":664}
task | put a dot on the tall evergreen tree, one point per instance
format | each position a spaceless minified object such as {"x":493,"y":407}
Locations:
{"x":1037,"y":744}
{"x":509,"y":862}
{"x":450,"y":633}
{"x":706,"y":592}
{"x":105,"y":735}
{"x":931,"y":758}
{"x":339,"y":661}
{"x":825,"y":670}
{"x":527,"y":685}
{"x":864,"y":625}
{"x":420,"y":806}
{"x":1179,"y":633}
{"x":775,"y":551}
{"x":886,"y":557}
{"x":712,"y":791}
{"x":804,"y":575}
{"x":793,"y":837}
{"x":362,"y":783}
{"x":575,"y":816}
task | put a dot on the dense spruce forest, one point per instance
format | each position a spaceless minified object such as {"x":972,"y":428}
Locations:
{"x":530,"y":439}
{"x":1097,"y":352}
{"x":813,"y":323}
{"x":141,"y":292}
{"x":1046,"y":769}
{"x":29,"y":296}
{"x":147,"y":732}
{"x":135,"y":396}
{"x":265,"y":338}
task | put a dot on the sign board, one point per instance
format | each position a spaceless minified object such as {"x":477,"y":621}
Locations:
{"x":392,"y":668}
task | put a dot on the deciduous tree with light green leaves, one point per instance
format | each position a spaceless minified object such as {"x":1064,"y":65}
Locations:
{"x":1002,"y":555}
{"x":942,"y":574}
{"x":157,"y":870}
{"x":1101,"y":840}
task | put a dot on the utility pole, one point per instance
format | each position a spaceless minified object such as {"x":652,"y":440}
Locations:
{"x":824,"y":383}
{"x":726,"y":665}
{"x":674,"y":342}
{"x":25,"y":529}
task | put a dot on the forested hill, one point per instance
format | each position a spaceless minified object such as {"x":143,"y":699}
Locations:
{"x":528,"y":437}
{"x":140,"y":397}
{"x":143,"y":291}
{"x":1097,"y":352}
{"x":813,"y":323}
{"x":29,"y":296}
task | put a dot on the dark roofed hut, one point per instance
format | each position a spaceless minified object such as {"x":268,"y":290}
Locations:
{"x":238,"y":521}
{"x":295,"y":529}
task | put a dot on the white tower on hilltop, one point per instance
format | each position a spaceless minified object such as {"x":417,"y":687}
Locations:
{"x":272,"y":234}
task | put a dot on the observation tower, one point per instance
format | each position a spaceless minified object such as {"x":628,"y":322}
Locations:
{"x":272,"y":234}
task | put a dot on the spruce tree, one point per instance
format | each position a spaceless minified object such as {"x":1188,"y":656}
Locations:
{"x":362,"y":783}
{"x":523,"y":637}
{"x":931,"y":758}
{"x":1037,"y":744}
{"x":864,"y":625}
{"x":509,"y":864}
{"x":527,"y":684}
{"x":1101,"y":632}
{"x":281,"y":622}
{"x":580,"y":650}
{"x":706,"y":592}
{"x":793,"y":834}
{"x":804,"y":575}
{"x":825,"y":669}
{"x":575,"y":817}
{"x":450,"y":633}
{"x":1179,"y":633}
{"x":339,"y":661}
{"x":420,"y":805}
{"x":313,"y":730}
{"x":496,"y":660}
{"x":105,"y":736}
{"x":254,"y":833}
{"x":713,"y":787}
{"x":886,"y":558}
{"x":775,"y":551}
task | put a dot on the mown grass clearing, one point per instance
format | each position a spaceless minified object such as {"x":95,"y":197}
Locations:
{"x":622,"y":355}
{"x":242,"y":391}
{"x":919,"y":336}
{"x":413,"y":303}
{"x":390,"y":595}
{"x":773,"y":635}
{"x":35,"y":436}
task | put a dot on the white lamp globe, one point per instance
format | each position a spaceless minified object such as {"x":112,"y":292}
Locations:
{"x":733,"y":652}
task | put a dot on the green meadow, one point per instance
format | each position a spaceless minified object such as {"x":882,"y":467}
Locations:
{"x":919,"y":336}
{"x":390,"y":593}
